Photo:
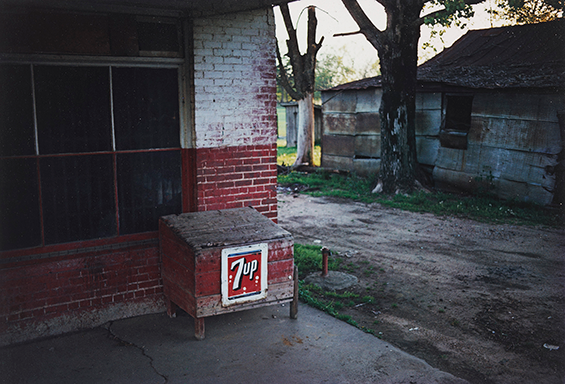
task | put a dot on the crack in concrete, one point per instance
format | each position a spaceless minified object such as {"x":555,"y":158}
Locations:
{"x":111,"y":335}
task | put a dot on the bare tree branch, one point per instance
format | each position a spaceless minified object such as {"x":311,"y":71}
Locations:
{"x":284,"y":78}
{"x":366,"y":26}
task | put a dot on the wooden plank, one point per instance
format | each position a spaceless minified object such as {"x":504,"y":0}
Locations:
{"x":208,"y":283}
{"x":428,"y":122}
{"x":367,"y":123}
{"x":173,"y":271}
{"x":208,"y":260}
{"x":281,"y":250}
{"x":341,"y":102}
{"x":339,"y":124}
{"x":183,"y":299}
{"x":342,"y":163}
{"x":277,"y":293}
{"x":428,"y":101}
{"x":368,"y":146}
{"x":368,"y":100}
{"x":520,"y":106}
{"x":175,"y":248}
{"x":366,"y":167}
{"x":340,"y":145}
{"x":521,"y":135}
{"x":280,"y":271}
{"x":427,"y":149}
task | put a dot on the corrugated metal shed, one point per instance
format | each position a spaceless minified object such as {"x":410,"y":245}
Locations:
{"x":507,"y":83}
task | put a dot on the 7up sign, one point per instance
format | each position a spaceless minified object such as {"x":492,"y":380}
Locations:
{"x":244,"y":274}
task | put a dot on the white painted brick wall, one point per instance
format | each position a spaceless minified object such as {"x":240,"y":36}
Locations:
{"x":235,"y":79}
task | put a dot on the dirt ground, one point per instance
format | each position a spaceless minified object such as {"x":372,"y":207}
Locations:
{"x":485,"y":302}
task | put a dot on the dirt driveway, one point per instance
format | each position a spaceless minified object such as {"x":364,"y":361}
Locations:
{"x":484,"y":302}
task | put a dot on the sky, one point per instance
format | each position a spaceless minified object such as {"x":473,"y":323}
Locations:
{"x":334,"y":18}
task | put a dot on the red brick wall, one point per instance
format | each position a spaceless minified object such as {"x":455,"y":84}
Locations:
{"x":45,"y":297}
{"x":235,"y":177}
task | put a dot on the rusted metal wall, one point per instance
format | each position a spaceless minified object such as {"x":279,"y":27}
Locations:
{"x":351,"y":139}
{"x":513,"y":147}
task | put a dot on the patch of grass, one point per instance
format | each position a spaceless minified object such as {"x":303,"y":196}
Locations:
{"x":308,"y":259}
{"x":344,"y":295}
{"x":287,"y":155}
{"x":481,"y":208}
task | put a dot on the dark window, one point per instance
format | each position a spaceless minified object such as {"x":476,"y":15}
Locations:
{"x":19,"y":204}
{"x":457,"y":121}
{"x":16,"y":111}
{"x":149,"y":187}
{"x":78,"y":198}
{"x":146,"y":108}
{"x":77,"y":186}
{"x":73,"y":109}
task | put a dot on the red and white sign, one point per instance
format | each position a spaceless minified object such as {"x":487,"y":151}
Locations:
{"x":244,"y":274}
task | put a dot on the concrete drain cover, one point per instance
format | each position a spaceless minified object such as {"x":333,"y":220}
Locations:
{"x":333,"y":281}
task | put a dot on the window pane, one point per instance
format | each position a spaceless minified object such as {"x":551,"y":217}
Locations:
{"x":78,"y":198}
{"x":146,"y":108}
{"x":73,"y":109}
{"x":20,"y":225}
{"x":149,"y":186}
{"x":16,"y":111}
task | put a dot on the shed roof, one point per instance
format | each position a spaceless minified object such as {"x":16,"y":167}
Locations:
{"x":521,"y":56}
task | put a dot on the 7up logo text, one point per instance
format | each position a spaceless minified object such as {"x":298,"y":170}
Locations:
{"x":244,"y":274}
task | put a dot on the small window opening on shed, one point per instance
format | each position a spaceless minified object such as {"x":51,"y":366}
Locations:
{"x":457,"y":121}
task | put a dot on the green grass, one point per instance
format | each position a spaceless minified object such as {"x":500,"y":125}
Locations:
{"x":287,"y":155}
{"x":482,"y":208}
{"x":308,"y":259}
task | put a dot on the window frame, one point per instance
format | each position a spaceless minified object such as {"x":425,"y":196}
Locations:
{"x":455,"y":137}
{"x":117,"y":240}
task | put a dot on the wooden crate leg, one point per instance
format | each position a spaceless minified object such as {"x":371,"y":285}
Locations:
{"x":171,"y":308}
{"x":199,"y":328}
{"x":294,"y":304}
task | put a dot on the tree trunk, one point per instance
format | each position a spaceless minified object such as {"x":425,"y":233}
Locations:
{"x":399,"y":58}
{"x":305,"y":131}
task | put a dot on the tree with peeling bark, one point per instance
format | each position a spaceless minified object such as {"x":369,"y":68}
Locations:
{"x":397,"y":48}
{"x":304,"y":76}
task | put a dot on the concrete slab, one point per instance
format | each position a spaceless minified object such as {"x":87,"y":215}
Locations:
{"x":255,"y":346}
{"x":334,"y":281}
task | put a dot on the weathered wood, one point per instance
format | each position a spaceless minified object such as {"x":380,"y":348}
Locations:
{"x":339,"y":124}
{"x":428,"y":122}
{"x":341,"y":102}
{"x":341,"y":145}
{"x":427,"y":149}
{"x":199,"y":328}
{"x":517,"y":105}
{"x":366,"y":167}
{"x":276,"y":294}
{"x":517,"y":134}
{"x":196,"y":286}
{"x":337,"y":162}
{"x":367,"y":146}
{"x":294,"y":303}
{"x":368,"y":100}
{"x":367,"y":123}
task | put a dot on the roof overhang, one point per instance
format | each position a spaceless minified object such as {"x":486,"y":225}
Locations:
{"x":194,"y":7}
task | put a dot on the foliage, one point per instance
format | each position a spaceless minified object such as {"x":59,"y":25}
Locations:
{"x":528,"y":11}
{"x":483,"y":208}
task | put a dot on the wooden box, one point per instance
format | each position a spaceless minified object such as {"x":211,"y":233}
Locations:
{"x":210,"y":259}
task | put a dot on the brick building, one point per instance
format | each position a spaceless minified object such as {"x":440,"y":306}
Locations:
{"x":112,"y":114}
